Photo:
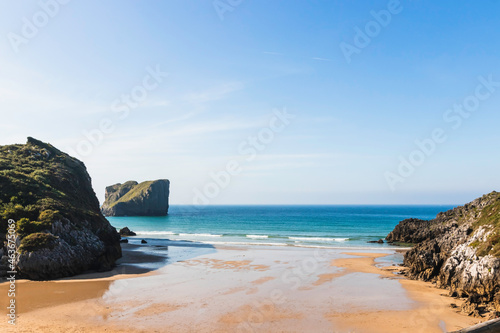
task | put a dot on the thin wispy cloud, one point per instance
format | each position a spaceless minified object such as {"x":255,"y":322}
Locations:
{"x":214,"y":93}
{"x":206,"y":127}
{"x":297,"y":57}
{"x":157,"y":103}
{"x":277,"y":166}
{"x":183,"y":117}
{"x":273,"y":53}
{"x":322,"y":59}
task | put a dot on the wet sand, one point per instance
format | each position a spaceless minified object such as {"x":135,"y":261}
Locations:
{"x":239,"y":289}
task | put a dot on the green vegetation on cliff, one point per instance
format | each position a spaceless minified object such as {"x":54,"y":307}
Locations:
{"x":136,"y":191}
{"x":486,"y":215}
{"x":482,"y":213}
{"x":490,"y":218}
{"x":37,"y":186}
{"x":149,"y":198}
{"x":38,"y":241}
{"x":58,"y":221}
{"x":459,"y":250}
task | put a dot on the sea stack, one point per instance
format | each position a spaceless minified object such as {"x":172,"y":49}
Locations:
{"x":47,"y":202}
{"x":148,"y":198}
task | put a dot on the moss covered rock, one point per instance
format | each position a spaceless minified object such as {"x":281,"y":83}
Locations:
{"x":148,"y":198}
{"x":60,"y":228}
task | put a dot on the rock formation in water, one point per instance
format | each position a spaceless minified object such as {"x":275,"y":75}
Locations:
{"x":459,"y":250}
{"x":126,"y":232}
{"x":132,"y":199}
{"x":48,"y":204}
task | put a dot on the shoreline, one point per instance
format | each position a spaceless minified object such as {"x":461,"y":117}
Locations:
{"x":89,"y":285}
{"x":175,"y":239}
{"x":230,"y":286}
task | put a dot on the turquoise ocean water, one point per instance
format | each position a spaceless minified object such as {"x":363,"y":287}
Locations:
{"x":301,"y":226}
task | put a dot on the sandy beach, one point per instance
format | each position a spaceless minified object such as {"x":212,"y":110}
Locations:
{"x":238,"y":289}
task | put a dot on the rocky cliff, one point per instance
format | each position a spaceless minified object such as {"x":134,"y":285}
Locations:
{"x":54,"y":211}
{"x":459,"y":250}
{"x":132,"y":199}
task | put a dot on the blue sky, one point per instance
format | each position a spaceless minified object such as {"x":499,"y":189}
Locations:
{"x":352,"y":122}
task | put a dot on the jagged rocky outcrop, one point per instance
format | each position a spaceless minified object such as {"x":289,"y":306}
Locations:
{"x":126,"y":232}
{"x":59,"y":228}
{"x":148,"y":198}
{"x":459,"y":250}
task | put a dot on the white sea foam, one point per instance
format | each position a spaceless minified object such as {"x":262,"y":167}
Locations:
{"x":323,"y":239}
{"x":199,"y":235}
{"x":257,"y":236}
{"x":158,"y":233}
{"x":244,"y":243}
{"x":351,"y":247}
{"x":299,"y":245}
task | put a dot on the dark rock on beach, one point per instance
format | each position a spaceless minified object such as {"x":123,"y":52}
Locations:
{"x":125,"y":232}
{"x":412,"y":231}
{"x":143,"y":241}
{"x":46,"y":196}
{"x":148,"y":198}
{"x":458,"y":250}
{"x":380,"y":241}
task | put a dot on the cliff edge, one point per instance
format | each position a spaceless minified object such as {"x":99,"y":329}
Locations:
{"x":458,"y":250}
{"x":148,"y":198}
{"x":46,"y":197}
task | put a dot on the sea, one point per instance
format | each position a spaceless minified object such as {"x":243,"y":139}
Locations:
{"x":299,"y":226}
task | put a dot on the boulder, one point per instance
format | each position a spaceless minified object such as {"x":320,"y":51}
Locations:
{"x":126,"y":232}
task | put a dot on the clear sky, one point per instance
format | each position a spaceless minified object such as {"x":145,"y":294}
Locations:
{"x":360,"y":82}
